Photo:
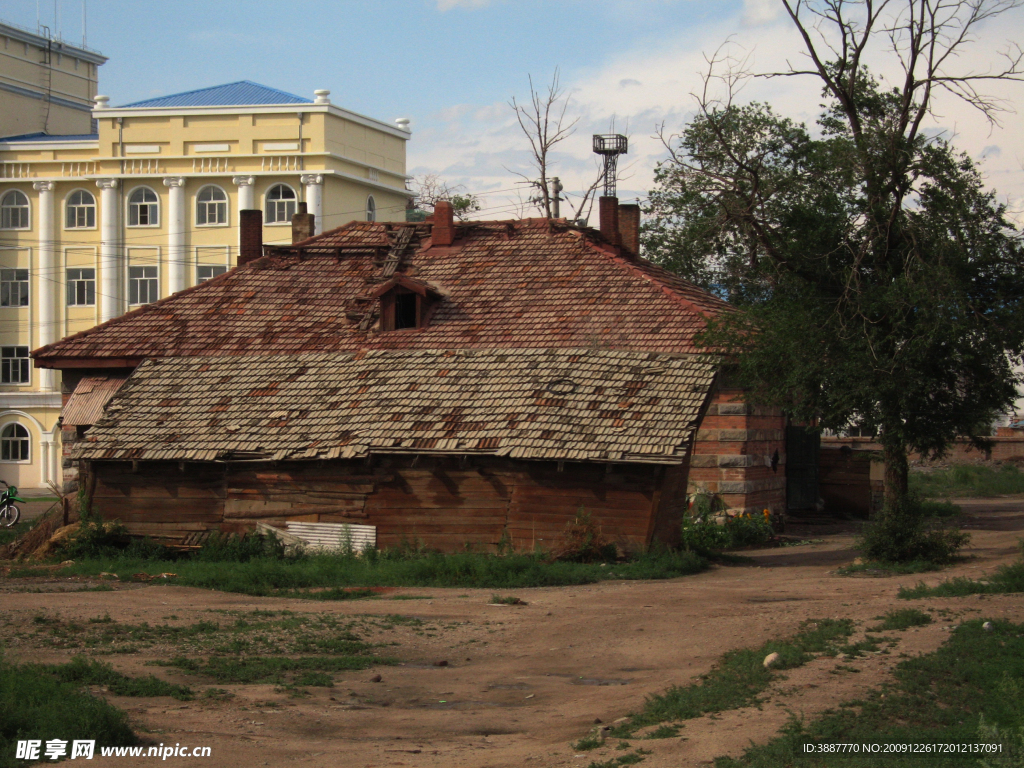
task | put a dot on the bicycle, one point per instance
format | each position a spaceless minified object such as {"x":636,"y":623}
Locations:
{"x":9,"y":513}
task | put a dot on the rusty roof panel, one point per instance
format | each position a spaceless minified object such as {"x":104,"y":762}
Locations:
{"x":530,"y":403}
{"x":85,"y":406}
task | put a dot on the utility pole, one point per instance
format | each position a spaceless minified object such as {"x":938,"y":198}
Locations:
{"x":556,"y":188}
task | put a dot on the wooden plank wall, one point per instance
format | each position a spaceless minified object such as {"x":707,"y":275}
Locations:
{"x":160,"y":500}
{"x":441,"y":503}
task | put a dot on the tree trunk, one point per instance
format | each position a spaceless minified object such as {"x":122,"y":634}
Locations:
{"x":897,"y":470}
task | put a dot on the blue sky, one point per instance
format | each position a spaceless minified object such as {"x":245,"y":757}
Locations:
{"x":452,"y":65}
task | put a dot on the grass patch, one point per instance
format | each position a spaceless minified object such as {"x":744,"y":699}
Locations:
{"x":1006,"y":579}
{"x":880,"y":568}
{"x":268,"y":575}
{"x":738,"y":678}
{"x":81,"y":671}
{"x":7,"y":535}
{"x":631,"y":759}
{"x":965,"y":480}
{"x":900,"y":619}
{"x":307,"y":670}
{"x":586,"y":744}
{"x":35,"y":704}
{"x":969,"y":691}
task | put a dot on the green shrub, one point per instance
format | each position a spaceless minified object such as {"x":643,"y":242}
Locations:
{"x":747,"y":530}
{"x":94,"y":538}
{"x":902,"y":534}
{"x":703,"y":533}
{"x":233,"y":548}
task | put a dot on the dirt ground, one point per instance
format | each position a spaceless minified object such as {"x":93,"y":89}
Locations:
{"x":522,"y":682}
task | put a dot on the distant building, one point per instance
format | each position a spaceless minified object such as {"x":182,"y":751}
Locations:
{"x":46,"y":85}
{"x":94,"y":224}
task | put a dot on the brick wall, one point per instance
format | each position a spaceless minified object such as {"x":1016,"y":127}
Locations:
{"x":1003,"y":448}
{"x":733,"y":451}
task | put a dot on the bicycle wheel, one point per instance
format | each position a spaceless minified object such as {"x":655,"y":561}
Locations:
{"x":9,"y":515}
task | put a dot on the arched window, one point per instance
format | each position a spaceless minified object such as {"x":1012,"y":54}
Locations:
{"x":14,"y":443}
{"x":211,"y":207}
{"x":81,"y":210}
{"x":280,"y":205}
{"x":371,"y":209}
{"x":14,"y":210}
{"x":143,"y":208}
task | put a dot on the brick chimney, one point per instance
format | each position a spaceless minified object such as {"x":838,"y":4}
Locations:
{"x":629,"y":227}
{"x":250,"y":238}
{"x":303,"y":224}
{"x":443,"y":231}
{"x":608,"y":209}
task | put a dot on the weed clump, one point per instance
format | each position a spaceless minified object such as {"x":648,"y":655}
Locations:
{"x":583,"y":542}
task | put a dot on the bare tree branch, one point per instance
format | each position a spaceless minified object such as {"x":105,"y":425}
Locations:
{"x":543,"y":122}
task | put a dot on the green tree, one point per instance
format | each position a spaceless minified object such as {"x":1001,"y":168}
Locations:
{"x":880,"y":282}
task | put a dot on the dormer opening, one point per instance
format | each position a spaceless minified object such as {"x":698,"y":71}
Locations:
{"x":406,"y":312}
{"x":405,"y":303}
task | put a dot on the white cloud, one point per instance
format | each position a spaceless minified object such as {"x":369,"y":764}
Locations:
{"x":652,"y":85}
{"x":757,"y":12}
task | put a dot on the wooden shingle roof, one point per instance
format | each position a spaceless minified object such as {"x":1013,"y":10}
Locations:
{"x":533,"y":283}
{"x":561,"y":404}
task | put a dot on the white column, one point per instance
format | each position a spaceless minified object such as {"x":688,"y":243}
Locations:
{"x":246,"y":200}
{"x":110,"y":300}
{"x":176,"y":255}
{"x":314,"y":199}
{"x":49,"y":278}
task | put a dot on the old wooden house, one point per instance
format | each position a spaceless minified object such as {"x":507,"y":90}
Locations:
{"x":443,"y":382}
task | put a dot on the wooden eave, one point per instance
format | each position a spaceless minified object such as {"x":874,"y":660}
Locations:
{"x":404,"y":281}
{"x":62,"y":363}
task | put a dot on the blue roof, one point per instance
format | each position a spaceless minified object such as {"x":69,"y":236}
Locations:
{"x":242,"y":93}
{"x":55,"y":137}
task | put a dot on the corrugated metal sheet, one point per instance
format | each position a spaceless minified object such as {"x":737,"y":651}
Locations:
{"x":335,"y":535}
{"x":242,"y":93}
{"x":86,"y":404}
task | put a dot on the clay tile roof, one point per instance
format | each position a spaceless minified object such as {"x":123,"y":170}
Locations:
{"x":530,"y":283}
{"x":563,"y":404}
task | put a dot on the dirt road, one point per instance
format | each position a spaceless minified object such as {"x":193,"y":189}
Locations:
{"x":522,"y":682}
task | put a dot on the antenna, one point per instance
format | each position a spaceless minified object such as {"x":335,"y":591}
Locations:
{"x":610,"y":146}
{"x":83,"y":23}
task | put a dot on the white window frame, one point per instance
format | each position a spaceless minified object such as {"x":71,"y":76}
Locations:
{"x":371,"y":208}
{"x":200,"y":280}
{"x":23,"y":290}
{"x":4,"y":439}
{"x":5,"y":366}
{"x":205,"y":205}
{"x":4,"y":208}
{"x":68,"y":206}
{"x":152,"y":205}
{"x":73,"y":283}
{"x":293,"y":201}
{"x":136,"y":282}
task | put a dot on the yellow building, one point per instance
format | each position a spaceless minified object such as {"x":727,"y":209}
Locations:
{"x":92,"y":226}
{"x":46,"y":84}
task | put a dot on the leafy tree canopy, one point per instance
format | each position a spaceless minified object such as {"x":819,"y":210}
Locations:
{"x":880,"y":283}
